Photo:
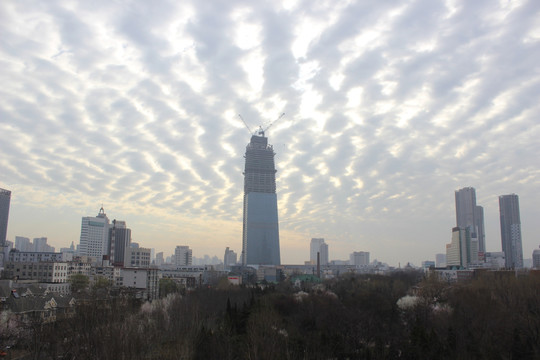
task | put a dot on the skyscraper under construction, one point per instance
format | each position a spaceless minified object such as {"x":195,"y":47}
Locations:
{"x":260,"y":235}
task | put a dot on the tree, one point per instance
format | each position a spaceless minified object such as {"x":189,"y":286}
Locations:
{"x":78,"y":282}
{"x":167,"y":286}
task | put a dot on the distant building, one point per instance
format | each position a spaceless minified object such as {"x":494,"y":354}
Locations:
{"x":359,"y":258}
{"x":230,"y":258}
{"x":440,"y":260}
{"x":536,"y":259}
{"x":317,"y":245}
{"x":495,"y":260}
{"x":94,"y":236}
{"x":462,"y":250}
{"x":144,"y":281}
{"x":511,"y":231}
{"x":137,"y":257}
{"x":5,"y":199}
{"x":119,"y":241}
{"x":159,"y":259}
{"x":23,"y":244}
{"x":33,"y":256}
{"x":469,"y":215}
{"x":260,"y":233}
{"x":42,"y":271}
{"x":183,"y":256}
{"x":428,"y":264}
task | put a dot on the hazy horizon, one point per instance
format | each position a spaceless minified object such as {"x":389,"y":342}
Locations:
{"x":389,"y":108}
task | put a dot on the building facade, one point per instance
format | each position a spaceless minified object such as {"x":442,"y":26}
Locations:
{"x":260,"y":232}
{"x":463,"y":249}
{"x":119,"y":241}
{"x":317,"y":245}
{"x":229,"y":259}
{"x":469,"y":215}
{"x":359,"y":258}
{"x":5,"y":200}
{"x":511,"y":231}
{"x":94,"y":236}
{"x":183,"y":256}
{"x":137,"y":257}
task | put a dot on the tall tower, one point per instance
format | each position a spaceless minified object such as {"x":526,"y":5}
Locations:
{"x":511,"y":231}
{"x":260,"y":233}
{"x":94,"y":236}
{"x":5,"y":199}
{"x":119,"y":241}
{"x":471,"y":216}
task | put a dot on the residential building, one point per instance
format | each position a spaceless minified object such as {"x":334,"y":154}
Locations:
{"x":159,"y":259}
{"x":137,"y":257}
{"x":94,"y":236}
{"x":42,"y":271}
{"x":260,"y":231}
{"x":23,"y":244}
{"x":183,"y":256}
{"x":33,"y":256}
{"x":511,"y":231}
{"x":359,"y":258}
{"x":469,"y":215}
{"x":143,"y":280}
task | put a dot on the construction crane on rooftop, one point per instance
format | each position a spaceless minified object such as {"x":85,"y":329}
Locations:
{"x":261,"y":131}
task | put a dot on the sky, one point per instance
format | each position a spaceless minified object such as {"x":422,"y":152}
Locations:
{"x":390,"y":106}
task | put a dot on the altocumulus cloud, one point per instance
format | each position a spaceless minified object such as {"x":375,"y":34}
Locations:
{"x":389,"y":108}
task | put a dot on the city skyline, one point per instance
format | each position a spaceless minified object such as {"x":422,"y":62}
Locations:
{"x":390,"y":108}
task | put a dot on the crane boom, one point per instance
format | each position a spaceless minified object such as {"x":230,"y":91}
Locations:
{"x":261,"y":131}
{"x":241,"y":118}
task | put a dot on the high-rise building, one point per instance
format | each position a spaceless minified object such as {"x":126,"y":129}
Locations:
{"x":536,"y":259}
{"x":23,"y":244}
{"x":469,"y":215}
{"x":463,"y":249}
{"x":5,"y":199}
{"x":260,"y":233}
{"x":119,"y":241}
{"x":94,"y":236}
{"x":229,"y":259}
{"x":511,"y":231}
{"x":318,"y":245}
{"x":359,"y":258}
{"x":183,"y":256}
{"x":440,"y":260}
{"x":159,"y":259}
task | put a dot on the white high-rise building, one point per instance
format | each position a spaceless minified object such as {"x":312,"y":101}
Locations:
{"x":183,"y":256}
{"x":94,"y":236}
{"x":318,"y":245}
{"x":462,"y":250}
{"x":359,"y":258}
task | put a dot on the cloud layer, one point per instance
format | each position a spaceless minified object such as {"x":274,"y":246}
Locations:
{"x":389,"y":109}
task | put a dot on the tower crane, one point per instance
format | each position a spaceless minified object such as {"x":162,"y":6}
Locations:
{"x":261,"y":130}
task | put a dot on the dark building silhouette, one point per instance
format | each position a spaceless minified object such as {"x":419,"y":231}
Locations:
{"x":511,"y":230}
{"x":260,"y":235}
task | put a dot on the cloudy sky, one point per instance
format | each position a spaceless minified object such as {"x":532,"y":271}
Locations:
{"x":390,"y":106}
